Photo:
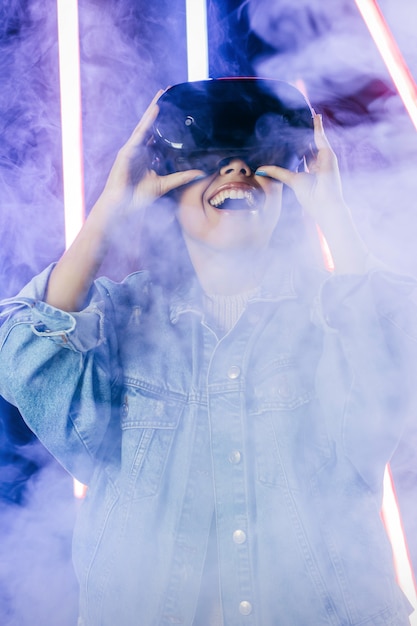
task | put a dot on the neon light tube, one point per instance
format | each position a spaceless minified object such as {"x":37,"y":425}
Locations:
{"x":325,"y":251}
{"x":393,"y":525}
{"x":391,"y":55}
{"x":197,"y":40}
{"x":69,"y":79}
{"x":71,"y":129}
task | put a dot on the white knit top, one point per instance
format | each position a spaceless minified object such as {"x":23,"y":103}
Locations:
{"x":224,"y":311}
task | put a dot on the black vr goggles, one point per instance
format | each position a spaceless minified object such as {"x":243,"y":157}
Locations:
{"x":200,"y":124}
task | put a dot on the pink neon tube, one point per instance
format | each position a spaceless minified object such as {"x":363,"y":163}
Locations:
{"x":390,"y":54}
{"x":69,"y":76}
{"x":72,"y":156}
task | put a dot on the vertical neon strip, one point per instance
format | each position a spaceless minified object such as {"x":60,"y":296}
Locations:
{"x":197,"y":39}
{"x":71,"y":130}
{"x":391,"y":55}
{"x":69,"y":78}
{"x":393,"y":524}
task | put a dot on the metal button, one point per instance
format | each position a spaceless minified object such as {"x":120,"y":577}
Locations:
{"x":234,"y":372}
{"x":285,"y":387}
{"x":239,"y":536}
{"x":235,"y":457}
{"x":245,"y":608}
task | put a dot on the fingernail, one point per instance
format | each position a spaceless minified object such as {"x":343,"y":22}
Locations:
{"x":260,"y":173}
{"x":199,"y":177}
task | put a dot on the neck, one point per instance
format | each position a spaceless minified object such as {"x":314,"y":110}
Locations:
{"x":227,"y":272}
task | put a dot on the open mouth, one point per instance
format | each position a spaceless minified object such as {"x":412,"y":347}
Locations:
{"x":235,"y":197}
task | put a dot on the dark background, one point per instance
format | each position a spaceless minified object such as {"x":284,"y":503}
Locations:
{"x":129,"y":49}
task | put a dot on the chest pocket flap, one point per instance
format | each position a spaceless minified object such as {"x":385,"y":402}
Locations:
{"x":149,"y":423}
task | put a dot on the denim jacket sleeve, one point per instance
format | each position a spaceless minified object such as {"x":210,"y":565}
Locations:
{"x":55,"y":364}
{"x":373,"y":319}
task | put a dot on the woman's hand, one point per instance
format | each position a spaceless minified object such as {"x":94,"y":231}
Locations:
{"x":131,"y":183}
{"x":319,"y":189}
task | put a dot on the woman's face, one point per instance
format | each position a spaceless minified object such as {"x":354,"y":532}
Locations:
{"x":231,"y":210}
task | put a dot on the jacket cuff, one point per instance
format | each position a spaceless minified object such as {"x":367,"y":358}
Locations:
{"x":81,"y":331}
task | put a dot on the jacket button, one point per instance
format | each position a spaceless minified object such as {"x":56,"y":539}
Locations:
{"x":235,"y":457}
{"x":239,"y":536}
{"x":285,"y":388}
{"x":233,"y":372}
{"x":245,"y":608}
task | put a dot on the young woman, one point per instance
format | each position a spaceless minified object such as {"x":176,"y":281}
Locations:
{"x":231,"y":408}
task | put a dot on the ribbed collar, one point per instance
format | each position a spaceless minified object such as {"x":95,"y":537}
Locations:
{"x":278,"y":284}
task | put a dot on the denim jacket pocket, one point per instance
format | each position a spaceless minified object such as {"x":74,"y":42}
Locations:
{"x":149,"y":421}
{"x":291,"y":441}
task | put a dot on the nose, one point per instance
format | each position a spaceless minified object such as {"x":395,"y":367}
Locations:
{"x":234,"y":165}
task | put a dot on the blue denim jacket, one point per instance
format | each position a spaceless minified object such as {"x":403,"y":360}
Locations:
{"x":279,"y":431}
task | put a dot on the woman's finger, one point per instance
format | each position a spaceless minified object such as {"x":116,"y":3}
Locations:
{"x":141,"y":130}
{"x":319,"y":134}
{"x":324,"y":148}
{"x":132,"y":159}
{"x":177,"y":179}
{"x":276,"y":172}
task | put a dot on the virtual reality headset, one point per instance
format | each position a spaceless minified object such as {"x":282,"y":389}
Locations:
{"x":202,"y":123}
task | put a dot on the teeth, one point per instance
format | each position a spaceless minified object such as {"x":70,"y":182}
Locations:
{"x":232,"y":194}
